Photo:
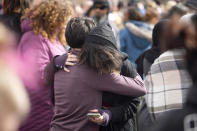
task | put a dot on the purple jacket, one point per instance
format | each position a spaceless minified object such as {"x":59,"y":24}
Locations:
{"x":38,"y":51}
{"x":80,"y":90}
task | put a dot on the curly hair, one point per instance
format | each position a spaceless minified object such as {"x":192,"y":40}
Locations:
{"x":49,"y":19}
{"x":17,"y":6}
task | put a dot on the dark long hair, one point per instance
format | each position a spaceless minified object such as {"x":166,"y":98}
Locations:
{"x":104,"y":59}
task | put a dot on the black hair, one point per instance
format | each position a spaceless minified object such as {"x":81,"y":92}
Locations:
{"x":158,"y":30}
{"x":76,"y":31}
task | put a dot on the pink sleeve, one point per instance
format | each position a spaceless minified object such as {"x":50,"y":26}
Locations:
{"x":35,"y":51}
{"x":122,"y":85}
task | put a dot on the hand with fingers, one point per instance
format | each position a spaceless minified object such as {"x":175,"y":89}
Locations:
{"x":102,"y":119}
{"x":70,"y":61}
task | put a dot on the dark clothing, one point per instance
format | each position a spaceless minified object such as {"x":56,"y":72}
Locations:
{"x":180,"y":120}
{"x":13,"y":23}
{"x":144,"y":117}
{"x":145,"y":61}
{"x":123,"y":108}
{"x":123,"y":111}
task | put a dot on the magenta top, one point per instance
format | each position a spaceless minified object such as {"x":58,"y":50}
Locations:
{"x":38,"y":51}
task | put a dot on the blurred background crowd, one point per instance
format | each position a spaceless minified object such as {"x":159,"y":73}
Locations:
{"x":157,"y":37}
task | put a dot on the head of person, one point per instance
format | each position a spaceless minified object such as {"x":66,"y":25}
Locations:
{"x":151,"y":16}
{"x":158,"y":30}
{"x":133,"y":13}
{"x":49,"y":19}
{"x":15,"y":6}
{"x":101,"y":7}
{"x":174,"y":36}
{"x":76,"y":31}
{"x":99,"y":51}
{"x":179,"y":10}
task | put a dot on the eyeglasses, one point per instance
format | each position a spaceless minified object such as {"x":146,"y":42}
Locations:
{"x":100,"y":7}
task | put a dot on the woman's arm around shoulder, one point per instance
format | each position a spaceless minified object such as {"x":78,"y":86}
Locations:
{"x":119,"y":84}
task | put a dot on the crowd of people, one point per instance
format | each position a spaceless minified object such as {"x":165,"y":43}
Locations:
{"x":98,"y":65}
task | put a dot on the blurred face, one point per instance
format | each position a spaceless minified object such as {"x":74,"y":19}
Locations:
{"x":100,"y":10}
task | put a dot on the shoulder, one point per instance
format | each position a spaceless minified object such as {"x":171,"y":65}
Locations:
{"x":30,"y":38}
{"x":31,"y":42}
{"x":128,"y":69}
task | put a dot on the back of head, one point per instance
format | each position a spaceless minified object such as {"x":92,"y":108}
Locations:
{"x":158,"y":30}
{"x":151,"y":15}
{"x":77,"y":30}
{"x":183,"y":34}
{"x":134,"y":14}
{"x":99,"y":51}
{"x":174,"y":36}
{"x":49,"y":18}
{"x":179,"y":10}
{"x":15,"y":6}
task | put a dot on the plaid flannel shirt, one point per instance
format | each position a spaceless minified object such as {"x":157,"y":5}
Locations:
{"x":167,"y":83}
